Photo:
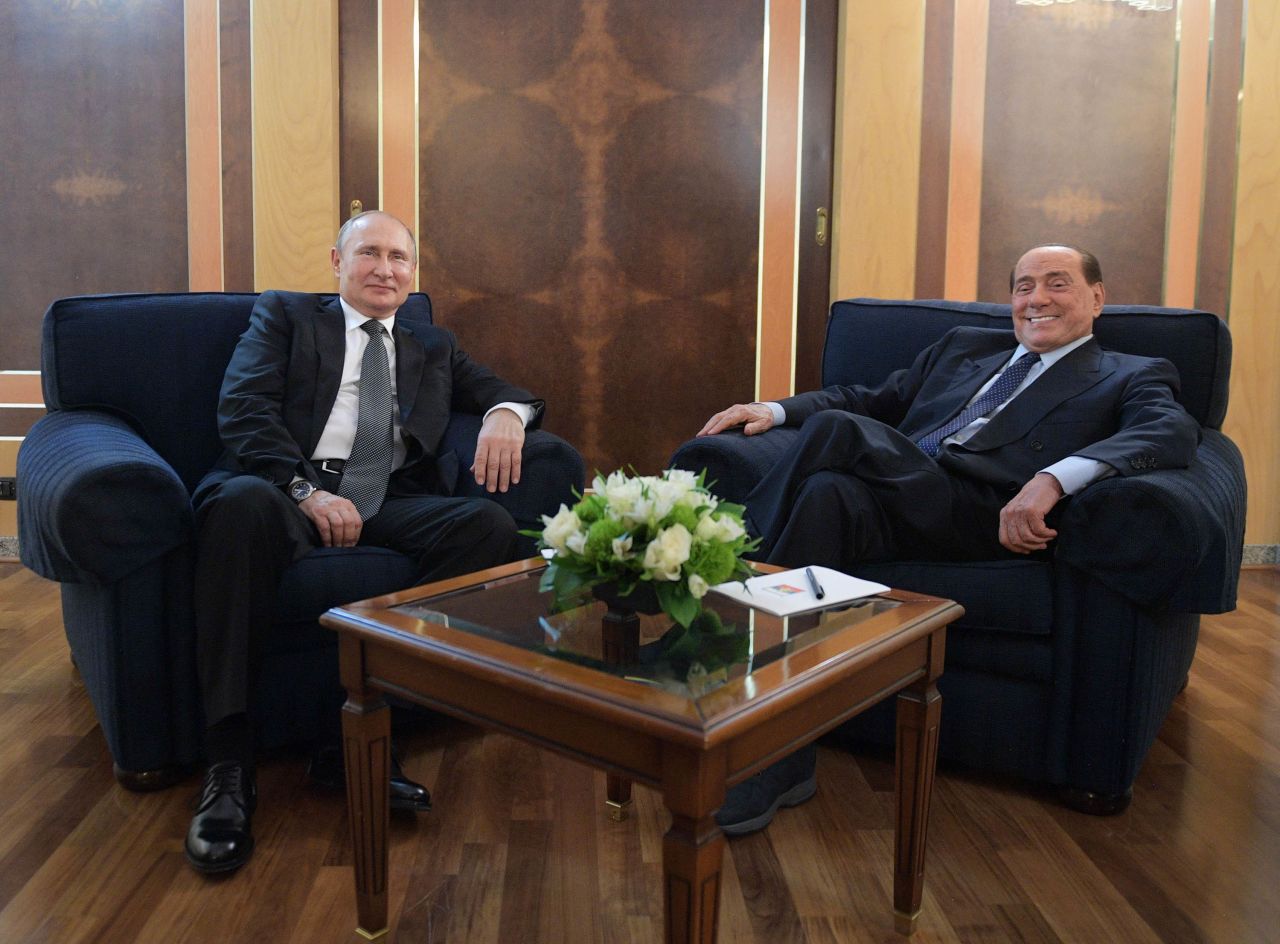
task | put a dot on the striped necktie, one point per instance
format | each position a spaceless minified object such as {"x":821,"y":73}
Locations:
{"x":995,"y":395}
{"x":365,"y":476}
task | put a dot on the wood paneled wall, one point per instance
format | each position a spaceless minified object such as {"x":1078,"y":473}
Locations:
{"x":92,"y":157}
{"x":590,"y":201}
{"x":105,"y":167}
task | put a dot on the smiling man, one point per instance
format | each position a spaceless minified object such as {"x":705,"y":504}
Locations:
{"x":964,"y":455}
{"x":332,"y":414}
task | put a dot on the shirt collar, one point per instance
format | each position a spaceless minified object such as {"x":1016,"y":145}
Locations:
{"x":354,"y":319}
{"x":1049,"y":358}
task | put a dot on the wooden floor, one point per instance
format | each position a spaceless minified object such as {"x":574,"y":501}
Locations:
{"x":519,"y":850}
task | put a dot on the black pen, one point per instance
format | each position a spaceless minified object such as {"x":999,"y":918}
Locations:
{"x":816,"y":587}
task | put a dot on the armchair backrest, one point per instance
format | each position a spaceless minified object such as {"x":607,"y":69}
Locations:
{"x":156,"y":361}
{"x":869,"y":338}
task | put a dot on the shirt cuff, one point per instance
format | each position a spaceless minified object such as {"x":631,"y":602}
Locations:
{"x":1075,"y":472}
{"x":522,"y":410}
{"x":779,"y":414}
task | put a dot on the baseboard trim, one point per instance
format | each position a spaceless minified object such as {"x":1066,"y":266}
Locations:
{"x":1261,"y":554}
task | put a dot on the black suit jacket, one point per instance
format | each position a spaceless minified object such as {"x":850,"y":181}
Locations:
{"x":283,"y":379}
{"x":1117,"y":408}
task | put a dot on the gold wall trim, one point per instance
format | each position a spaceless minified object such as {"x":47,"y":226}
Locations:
{"x":295,"y":143}
{"x":204,"y":145}
{"x":779,"y":199}
{"x":1186,"y":171}
{"x":968,"y":112}
{"x":1254,"y":417}
{"x":398,"y":110}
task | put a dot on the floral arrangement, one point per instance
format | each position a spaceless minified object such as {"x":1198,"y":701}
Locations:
{"x":664,"y":533}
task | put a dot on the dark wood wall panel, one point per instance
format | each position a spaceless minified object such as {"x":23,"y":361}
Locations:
{"x":935,"y":150}
{"x":1077,"y":138}
{"x":590,"y":186}
{"x":93,"y":152}
{"x":818,"y":130}
{"x":358,"y":105}
{"x":236,"y":95}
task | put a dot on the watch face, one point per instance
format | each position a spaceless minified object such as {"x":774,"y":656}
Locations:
{"x":301,"y":491}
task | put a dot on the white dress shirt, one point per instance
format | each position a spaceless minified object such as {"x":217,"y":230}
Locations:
{"x":340,"y":429}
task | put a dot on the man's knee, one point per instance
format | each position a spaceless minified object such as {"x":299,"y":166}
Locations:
{"x":249,"y":514}
{"x":244,"y":498}
{"x":491,"y":522}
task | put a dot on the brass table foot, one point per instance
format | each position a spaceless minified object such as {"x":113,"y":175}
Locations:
{"x":905,"y":923}
{"x":372,"y":935}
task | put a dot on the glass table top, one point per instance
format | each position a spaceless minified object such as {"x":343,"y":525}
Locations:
{"x":730,"y":641}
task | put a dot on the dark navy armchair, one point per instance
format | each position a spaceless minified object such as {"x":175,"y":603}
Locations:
{"x":131,"y":384}
{"x":1064,"y":665}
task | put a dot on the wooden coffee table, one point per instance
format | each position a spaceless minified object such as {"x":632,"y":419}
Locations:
{"x":486,"y":648}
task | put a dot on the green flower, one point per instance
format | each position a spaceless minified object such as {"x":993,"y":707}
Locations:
{"x":600,"y":538}
{"x":591,"y":508}
{"x":713,"y":562}
{"x":682,"y":514}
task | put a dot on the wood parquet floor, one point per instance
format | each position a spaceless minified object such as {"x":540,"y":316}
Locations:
{"x":519,"y":851}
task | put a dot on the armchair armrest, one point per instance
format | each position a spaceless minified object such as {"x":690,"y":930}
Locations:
{"x":734,"y":463}
{"x":1172,"y":538}
{"x":97,"y":502}
{"x":550,"y":469}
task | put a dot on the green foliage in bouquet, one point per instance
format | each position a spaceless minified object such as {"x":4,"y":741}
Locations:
{"x":667,"y":533}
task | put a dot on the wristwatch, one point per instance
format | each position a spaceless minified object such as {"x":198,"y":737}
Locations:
{"x":301,"y":490}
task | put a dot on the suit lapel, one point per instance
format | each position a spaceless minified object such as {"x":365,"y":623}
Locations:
{"x":1069,"y":377}
{"x":410,"y":358}
{"x":965,"y":381}
{"x":331,"y":351}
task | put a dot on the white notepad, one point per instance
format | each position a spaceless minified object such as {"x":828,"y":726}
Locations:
{"x":788,"y":592}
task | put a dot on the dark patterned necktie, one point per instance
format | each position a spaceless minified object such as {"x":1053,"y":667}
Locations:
{"x":365,"y":476}
{"x":995,"y":395}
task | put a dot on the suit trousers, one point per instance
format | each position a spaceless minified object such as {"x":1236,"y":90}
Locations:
{"x":854,"y":490}
{"x":249,"y":532}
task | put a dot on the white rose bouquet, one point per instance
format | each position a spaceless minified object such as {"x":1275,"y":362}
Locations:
{"x":666,"y":532}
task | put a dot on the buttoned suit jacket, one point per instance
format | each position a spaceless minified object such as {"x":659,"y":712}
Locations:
{"x":1120,"y":409}
{"x":283,"y":379}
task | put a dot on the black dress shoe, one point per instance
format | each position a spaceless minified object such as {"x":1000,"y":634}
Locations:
{"x":327,"y":771}
{"x":750,"y":805}
{"x":219,"y":838}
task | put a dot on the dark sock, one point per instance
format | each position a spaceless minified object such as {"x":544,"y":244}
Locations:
{"x":230,"y":741}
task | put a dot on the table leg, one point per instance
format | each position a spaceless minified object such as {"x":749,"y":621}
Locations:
{"x":366,"y":733}
{"x":919,"y":711}
{"x":620,"y":644}
{"x":693,"y":848}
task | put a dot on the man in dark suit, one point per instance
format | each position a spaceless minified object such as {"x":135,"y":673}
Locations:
{"x":964,"y":455}
{"x":331,"y":414}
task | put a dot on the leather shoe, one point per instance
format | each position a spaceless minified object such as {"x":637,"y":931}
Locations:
{"x":750,"y":805}
{"x":327,"y":770}
{"x":219,"y":838}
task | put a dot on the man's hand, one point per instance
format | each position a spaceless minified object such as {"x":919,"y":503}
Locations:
{"x":1022,"y":527}
{"x":335,"y":518}
{"x":498,"y":448}
{"x":752,"y":417}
